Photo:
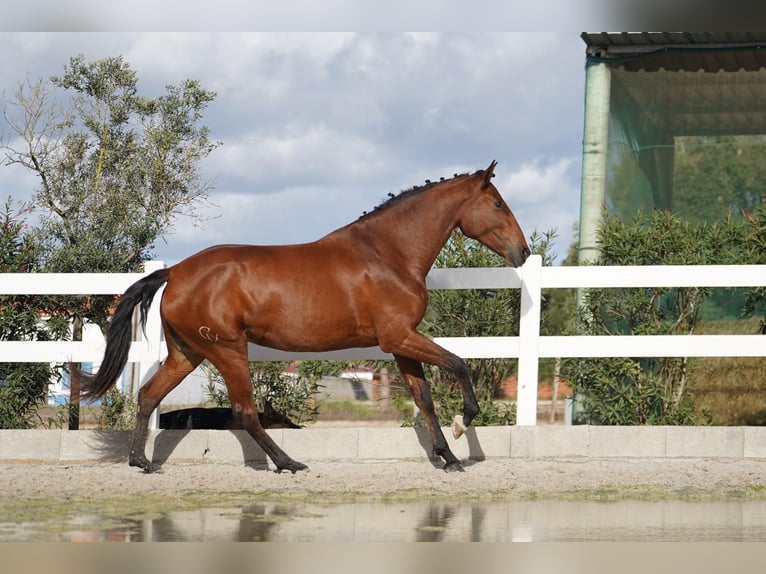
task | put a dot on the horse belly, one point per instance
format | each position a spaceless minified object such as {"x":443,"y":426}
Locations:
{"x":309,"y":324}
{"x":310,"y":338}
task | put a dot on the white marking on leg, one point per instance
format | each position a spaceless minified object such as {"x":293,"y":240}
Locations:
{"x":458,"y":428}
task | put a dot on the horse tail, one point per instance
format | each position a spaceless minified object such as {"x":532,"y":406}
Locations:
{"x":119,"y":336}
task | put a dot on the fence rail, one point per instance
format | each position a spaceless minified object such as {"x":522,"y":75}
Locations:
{"x":528,"y":347}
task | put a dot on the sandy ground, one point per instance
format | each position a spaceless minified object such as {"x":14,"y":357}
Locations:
{"x":404,"y":479}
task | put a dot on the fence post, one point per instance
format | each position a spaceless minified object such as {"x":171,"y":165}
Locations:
{"x":529,"y":341}
{"x":155,"y":350}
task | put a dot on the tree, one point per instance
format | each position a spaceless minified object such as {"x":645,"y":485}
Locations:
{"x":23,"y":386}
{"x":114,"y":169}
{"x":713,"y":176}
{"x":717,"y":174}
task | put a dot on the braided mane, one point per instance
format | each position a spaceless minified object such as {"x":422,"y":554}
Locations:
{"x":394,"y":199}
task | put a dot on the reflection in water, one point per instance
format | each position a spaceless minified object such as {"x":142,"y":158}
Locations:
{"x":537,"y":520}
{"x":434,"y":523}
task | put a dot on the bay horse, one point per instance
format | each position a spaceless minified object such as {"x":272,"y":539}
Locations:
{"x":359,"y":286}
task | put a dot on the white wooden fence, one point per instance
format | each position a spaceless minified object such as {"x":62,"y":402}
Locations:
{"x":528,"y":347}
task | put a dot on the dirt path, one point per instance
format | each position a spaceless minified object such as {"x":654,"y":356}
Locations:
{"x":405,"y":479}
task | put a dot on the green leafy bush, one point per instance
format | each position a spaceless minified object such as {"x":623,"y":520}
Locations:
{"x":23,"y":386}
{"x":118,"y":411}
{"x":648,"y":390}
{"x":291,"y":394}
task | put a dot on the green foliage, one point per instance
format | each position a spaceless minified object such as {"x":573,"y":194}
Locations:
{"x":647,"y":391}
{"x":114,"y":168}
{"x":292,"y":394}
{"x":492,"y":413}
{"x":23,"y":386}
{"x":23,"y":389}
{"x":754,"y":249}
{"x":448,"y":401}
{"x":716,"y":174}
{"x":472,"y":313}
{"x":118,"y":411}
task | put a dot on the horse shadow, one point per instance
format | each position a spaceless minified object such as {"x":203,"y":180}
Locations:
{"x":114,"y":446}
{"x":166,"y":442}
{"x":109,"y":445}
{"x":475,"y":452}
{"x":177,"y":424}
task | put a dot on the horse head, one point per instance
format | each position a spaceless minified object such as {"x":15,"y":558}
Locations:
{"x":487,"y":218}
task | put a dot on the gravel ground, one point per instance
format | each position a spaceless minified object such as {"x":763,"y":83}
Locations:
{"x":403,"y":479}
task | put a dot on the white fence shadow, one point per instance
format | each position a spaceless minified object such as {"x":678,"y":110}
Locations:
{"x":528,"y":347}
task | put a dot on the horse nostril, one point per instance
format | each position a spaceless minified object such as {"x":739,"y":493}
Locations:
{"x":525,"y":252}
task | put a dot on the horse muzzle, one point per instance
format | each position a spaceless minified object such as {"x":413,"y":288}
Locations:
{"x":516,"y":257}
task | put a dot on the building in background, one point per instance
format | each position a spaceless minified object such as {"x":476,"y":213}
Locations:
{"x":675,"y":121}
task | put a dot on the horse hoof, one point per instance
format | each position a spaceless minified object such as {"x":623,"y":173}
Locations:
{"x":293,"y":466}
{"x":458,"y":428}
{"x":453,"y":467}
{"x":146,"y":466}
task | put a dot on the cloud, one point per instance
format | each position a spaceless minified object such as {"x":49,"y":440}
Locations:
{"x":545,"y":196}
{"x":242,"y":63}
{"x":311,"y":155}
{"x":536,"y":181}
{"x":294,"y":215}
{"x":317,"y":128}
{"x":231,"y":15}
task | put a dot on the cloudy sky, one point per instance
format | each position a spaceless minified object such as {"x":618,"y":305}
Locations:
{"x":318,"y":127}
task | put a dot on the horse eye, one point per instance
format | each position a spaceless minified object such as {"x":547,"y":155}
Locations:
{"x":498,"y":204}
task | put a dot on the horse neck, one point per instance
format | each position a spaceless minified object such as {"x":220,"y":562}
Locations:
{"x":418,"y":226}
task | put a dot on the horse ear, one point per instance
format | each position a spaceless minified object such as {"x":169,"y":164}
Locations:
{"x":489,"y":173}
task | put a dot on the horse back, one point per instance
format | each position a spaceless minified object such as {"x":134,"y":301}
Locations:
{"x":316,"y":296}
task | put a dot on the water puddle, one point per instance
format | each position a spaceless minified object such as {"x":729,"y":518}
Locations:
{"x":537,"y":520}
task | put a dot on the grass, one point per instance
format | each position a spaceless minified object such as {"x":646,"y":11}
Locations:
{"x":730,"y":389}
{"x":348,"y":410}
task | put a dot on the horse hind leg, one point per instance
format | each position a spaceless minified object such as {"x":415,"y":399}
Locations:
{"x":175,"y":368}
{"x":233,"y":366}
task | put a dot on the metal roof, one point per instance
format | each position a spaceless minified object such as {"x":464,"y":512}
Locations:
{"x":644,"y":40}
{"x":709,"y":51}
{"x":691,"y":83}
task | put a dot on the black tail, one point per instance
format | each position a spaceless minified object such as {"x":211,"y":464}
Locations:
{"x":119,"y":336}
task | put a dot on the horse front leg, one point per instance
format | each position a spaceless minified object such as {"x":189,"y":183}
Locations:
{"x":470,"y":404}
{"x":413,"y":374}
{"x":423,"y":349}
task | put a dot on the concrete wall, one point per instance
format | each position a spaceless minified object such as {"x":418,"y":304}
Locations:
{"x":360,"y":443}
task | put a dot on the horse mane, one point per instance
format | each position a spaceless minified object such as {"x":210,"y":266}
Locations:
{"x":394,"y":199}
